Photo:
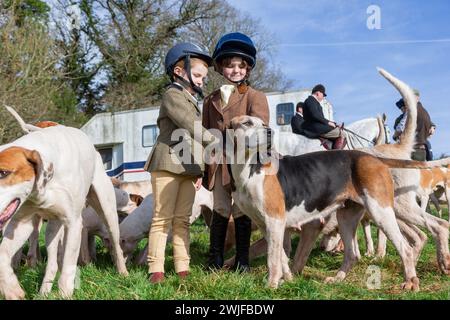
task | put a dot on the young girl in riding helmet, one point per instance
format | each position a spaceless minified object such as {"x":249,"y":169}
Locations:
{"x":173,"y":178}
{"x":234,"y":58}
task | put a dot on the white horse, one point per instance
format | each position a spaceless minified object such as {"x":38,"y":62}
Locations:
{"x":361,"y":134}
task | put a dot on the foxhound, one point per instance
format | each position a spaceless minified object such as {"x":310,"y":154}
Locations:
{"x":290,"y":191}
{"x":434,"y":180}
{"x":51,"y":172}
{"x":408,"y":214}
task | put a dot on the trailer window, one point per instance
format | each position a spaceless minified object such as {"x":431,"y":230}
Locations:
{"x":106,"y":154}
{"x":149,"y":134}
{"x":285,"y":112}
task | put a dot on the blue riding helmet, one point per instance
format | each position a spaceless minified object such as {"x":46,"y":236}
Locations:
{"x":183,"y":50}
{"x":186,"y":51}
{"x":235,"y":44}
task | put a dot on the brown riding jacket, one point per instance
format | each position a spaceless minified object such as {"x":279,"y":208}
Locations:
{"x":178,"y":110}
{"x":423,"y":125}
{"x":245,"y":101}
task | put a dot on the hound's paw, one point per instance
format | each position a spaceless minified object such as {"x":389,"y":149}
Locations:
{"x":330,"y":280}
{"x":444,"y":264}
{"x":446,"y":271}
{"x":447,"y":263}
{"x":122,"y":268}
{"x":411,"y":285}
{"x":46,"y":288}
{"x":15,"y":294}
{"x":288,"y":277}
{"x":31,"y":261}
{"x":229,"y":263}
{"x":66,"y":287}
{"x":369,"y":253}
{"x":380,"y":255}
{"x":273,"y":284}
{"x":340,"y":276}
{"x":66,"y":293}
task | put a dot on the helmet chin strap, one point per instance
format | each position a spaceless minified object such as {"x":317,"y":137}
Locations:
{"x":188,"y":84}
{"x":187,"y":65}
{"x":241,"y":85}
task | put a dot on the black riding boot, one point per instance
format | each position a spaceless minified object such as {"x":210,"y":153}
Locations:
{"x":218,"y":232}
{"x":243,"y":228}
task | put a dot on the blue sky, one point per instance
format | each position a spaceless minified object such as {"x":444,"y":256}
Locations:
{"x":327,"y":41}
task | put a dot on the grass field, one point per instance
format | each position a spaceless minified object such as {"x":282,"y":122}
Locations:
{"x":100,"y":280}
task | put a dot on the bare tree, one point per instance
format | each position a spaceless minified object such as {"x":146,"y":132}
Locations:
{"x":132,"y":37}
{"x":23,"y":10}
{"x":266,"y":76}
{"x":28,"y":75}
{"x":80,"y":63}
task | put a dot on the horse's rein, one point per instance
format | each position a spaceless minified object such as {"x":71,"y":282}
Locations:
{"x":358,"y":136}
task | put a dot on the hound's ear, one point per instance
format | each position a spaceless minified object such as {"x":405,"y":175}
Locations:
{"x":43,"y":175}
{"x":116,"y":182}
{"x":136,"y":199}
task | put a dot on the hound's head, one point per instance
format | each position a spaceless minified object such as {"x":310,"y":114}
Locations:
{"x":21,"y":173}
{"x":253,"y":132}
{"x":136,"y":198}
{"x":127,"y":203}
{"x":46,"y":124}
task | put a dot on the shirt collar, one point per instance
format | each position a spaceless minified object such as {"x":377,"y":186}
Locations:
{"x":179,"y":85}
{"x":316,"y":98}
{"x":226,"y":91}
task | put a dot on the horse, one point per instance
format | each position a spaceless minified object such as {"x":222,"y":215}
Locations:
{"x":360,"y":134}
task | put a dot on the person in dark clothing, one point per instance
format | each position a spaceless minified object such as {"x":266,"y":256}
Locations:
{"x":423,"y":130}
{"x":428,"y":148}
{"x":317,"y":124}
{"x":400,"y":121}
{"x":297,"y":120}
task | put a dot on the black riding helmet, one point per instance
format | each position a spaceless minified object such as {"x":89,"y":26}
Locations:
{"x":235,"y":44}
{"x":185,"y":51}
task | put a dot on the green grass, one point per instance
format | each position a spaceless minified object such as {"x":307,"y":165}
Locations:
{"x":100,"y":280}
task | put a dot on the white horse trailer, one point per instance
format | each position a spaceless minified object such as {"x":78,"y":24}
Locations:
{"x":125,"y":139}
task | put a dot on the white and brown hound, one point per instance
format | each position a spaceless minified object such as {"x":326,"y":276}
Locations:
{"x":431,"y":181}
{"x":291,"y":191}
{"x":51,"y":172}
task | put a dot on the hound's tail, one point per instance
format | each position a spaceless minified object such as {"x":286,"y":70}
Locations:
{"x":27,"y":128}
{"x":412,"y":164}
{"x":407,"y":138}
{"x":381,"y":138}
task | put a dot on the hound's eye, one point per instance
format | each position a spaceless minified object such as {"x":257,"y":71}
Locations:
{"x":247,"y":123}
{"x":4,"y":174}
